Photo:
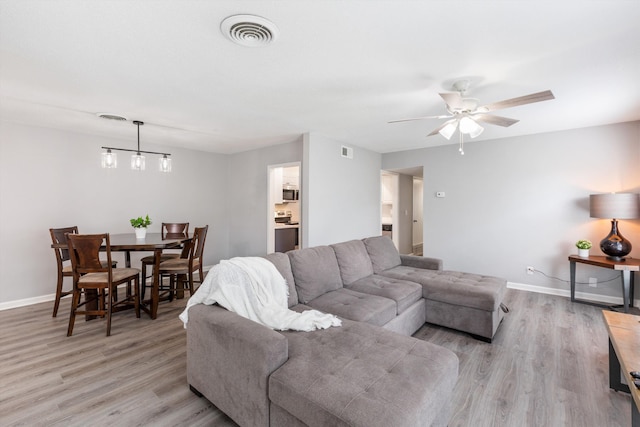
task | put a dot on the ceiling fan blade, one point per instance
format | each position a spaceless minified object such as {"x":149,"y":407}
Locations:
{"x":453,"y":100}
{"x":442,"y":126}
{"x":514,"y":102}
{"x":495,"y":120}
{"x":419,"y":118}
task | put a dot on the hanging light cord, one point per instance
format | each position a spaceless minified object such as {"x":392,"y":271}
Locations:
{"x":461,"y":149}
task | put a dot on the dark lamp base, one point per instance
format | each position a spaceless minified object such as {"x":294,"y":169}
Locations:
{"x":615,"y":246}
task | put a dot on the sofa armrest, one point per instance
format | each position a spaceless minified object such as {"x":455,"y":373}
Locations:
{"x":421,"y":262}
{"x":229,"y":356}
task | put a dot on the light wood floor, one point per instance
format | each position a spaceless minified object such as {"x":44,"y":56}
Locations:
{"x":547,"y":366}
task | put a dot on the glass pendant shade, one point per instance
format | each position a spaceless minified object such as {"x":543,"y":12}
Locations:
{"x":137,"y":162}
{"x":109,"y":160}
{"x":165,"y":164}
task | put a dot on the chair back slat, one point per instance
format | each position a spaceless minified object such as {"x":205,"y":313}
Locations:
{"x":200,"y":235}
{"x":59,"y":236}
{"x":84,"y":250}
{"x":175,"y":230}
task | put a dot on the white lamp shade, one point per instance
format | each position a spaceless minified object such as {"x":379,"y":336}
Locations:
{"x":470,"y":127}
{"x":448,"y":130}
{"x":614,"y":205}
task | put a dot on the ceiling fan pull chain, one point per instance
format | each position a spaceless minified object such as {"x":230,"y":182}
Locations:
{"x":461,"y":149}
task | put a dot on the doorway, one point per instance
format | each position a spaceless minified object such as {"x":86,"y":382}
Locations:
{"x":284,"y":207}
{"x":402,"y":209}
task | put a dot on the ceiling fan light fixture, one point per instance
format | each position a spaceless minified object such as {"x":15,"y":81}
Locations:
{"x":470,"y":127}
{"x":448,"y":130}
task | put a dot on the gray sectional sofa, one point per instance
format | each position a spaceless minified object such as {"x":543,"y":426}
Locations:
{"x":368,"y":372}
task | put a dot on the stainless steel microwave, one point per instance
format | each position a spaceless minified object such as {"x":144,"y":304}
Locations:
{"x":289,"y":194}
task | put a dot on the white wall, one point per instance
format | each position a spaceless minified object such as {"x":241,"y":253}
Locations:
{"x":518,"y":202}
{"x":51,"y":179}
{"x":342,"y":196}
{"x":248,"y":195}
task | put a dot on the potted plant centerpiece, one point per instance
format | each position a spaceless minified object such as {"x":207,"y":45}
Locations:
{"x":140,"y":226}
{"x":583,"y":248}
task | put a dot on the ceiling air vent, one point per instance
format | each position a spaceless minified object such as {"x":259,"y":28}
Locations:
{"x":346,"y":152}
{"x":249,"y":30}
{"x":110,"y":116}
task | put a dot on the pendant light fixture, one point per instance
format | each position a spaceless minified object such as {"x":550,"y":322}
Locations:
{"x":110,"y":160}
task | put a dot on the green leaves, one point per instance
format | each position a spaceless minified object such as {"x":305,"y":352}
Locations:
{"x":140,"y":222}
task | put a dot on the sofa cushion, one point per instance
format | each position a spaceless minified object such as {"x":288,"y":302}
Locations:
{"x":353,"y":260}
{"x":402,"y":292}
{"x":356,"y":306}
{"x":361,"y":375}
{"x":454,"y":287}
{"x":315,"y":271}
{"x":382,"y":252}
{"x":283,"y":265}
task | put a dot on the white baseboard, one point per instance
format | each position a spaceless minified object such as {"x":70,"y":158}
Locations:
{"x":605,"y":299}
{"x":44,"y":298}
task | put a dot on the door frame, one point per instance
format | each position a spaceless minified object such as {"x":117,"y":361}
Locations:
{"x":271,"y":225}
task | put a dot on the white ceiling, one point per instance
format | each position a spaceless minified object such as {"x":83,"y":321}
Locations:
{"x":342,"y":69}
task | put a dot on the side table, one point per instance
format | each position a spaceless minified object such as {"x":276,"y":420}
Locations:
{"x":626,"y":268}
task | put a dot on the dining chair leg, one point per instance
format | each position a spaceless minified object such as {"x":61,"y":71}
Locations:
{"x":143,"y":282}
{"x":56,"y":305}
{"x":109,"y":309}
{"x":75,"y":300}
{"x":136,"y":296}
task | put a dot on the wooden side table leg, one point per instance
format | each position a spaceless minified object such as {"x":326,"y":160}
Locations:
{"x":626,"y":284}
{"x":572,"y":273}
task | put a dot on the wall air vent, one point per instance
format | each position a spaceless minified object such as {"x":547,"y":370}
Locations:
{"x":249,"y":30}
{"x":346,"y":152}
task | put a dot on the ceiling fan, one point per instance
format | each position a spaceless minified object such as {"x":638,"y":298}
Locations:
{"x":465,"y":113}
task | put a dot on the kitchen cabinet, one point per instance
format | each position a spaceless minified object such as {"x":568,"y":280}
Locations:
{"x":276,"y":186}
{"x":286,"y":239}
{"x":387,"y":189}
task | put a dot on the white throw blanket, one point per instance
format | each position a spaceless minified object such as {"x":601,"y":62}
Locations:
{"x":253,"y":288}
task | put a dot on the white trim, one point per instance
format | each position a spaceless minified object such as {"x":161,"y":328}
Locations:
{"x":27,"y":301}
{"x":46,"y":298}
{"x":605,"y":299}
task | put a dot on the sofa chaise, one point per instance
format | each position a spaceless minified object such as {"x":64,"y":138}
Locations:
{"x":368,"y":372}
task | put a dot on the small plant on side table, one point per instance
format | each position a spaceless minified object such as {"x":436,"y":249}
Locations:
{"x":583,"y":247}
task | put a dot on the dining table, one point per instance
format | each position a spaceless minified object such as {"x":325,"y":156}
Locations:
{"x":152,"y":242}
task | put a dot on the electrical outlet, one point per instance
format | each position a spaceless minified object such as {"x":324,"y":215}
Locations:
{"x":530,"y":270}
{"x":593,"y":282}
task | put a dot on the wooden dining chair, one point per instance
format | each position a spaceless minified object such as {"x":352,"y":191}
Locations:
{"x":58,"y":237}
{"x":98,"y":282}
{"x":170,"y":230}
{"x":180,"y":270}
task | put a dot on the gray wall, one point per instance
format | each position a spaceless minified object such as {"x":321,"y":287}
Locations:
{"x":51,"y":179}
{"x":342,"y":196}
{"x":248,"y":195}
{"x":518,"y":202}
{"x":405,"y":214}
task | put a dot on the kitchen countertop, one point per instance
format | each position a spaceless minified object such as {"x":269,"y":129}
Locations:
{"x":287,"y":226}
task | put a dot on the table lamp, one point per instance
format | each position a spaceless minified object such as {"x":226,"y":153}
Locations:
{"x":615,"y":206}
